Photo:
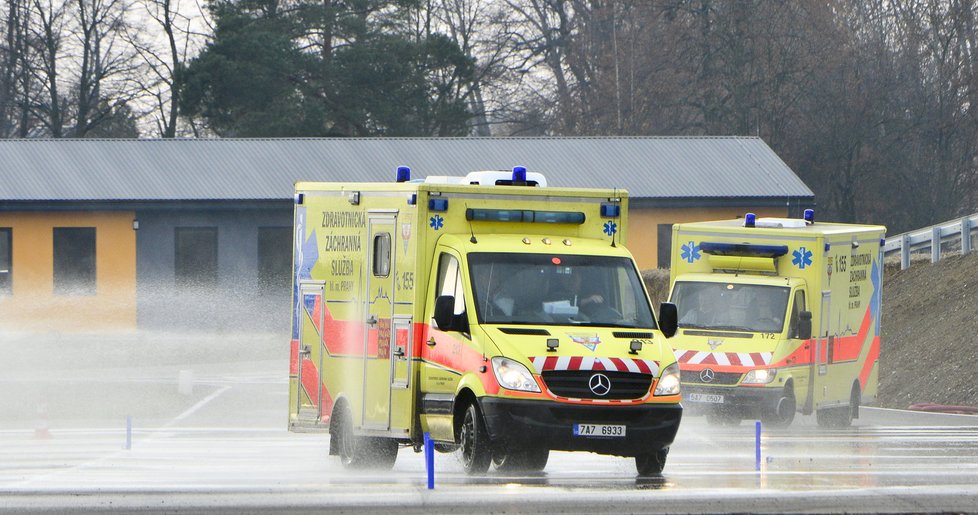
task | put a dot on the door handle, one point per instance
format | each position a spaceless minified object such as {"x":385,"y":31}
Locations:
{"x":431,"y":342}
{"x":305,"y":350}
{"x":398,"y":352}
{"x":372,"y":320}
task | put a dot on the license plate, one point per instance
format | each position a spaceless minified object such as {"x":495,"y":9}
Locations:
{"x":599,"y":430}
{"x":705,"y":397}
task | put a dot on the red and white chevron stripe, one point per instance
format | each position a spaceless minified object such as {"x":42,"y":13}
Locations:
{"x":639,"y":366}
{"x":743,"y":359}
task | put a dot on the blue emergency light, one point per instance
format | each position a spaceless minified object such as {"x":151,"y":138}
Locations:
{"x":809,"y":216}
{"x":750,"y":219}
{"x":438,"y":204}
{"x":519,"y":175}
{"x":403,"y":174}
{"x":610,"y":210}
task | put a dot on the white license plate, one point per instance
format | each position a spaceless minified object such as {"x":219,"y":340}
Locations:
{"x":705,"y":397}
{"x":599,"y":430}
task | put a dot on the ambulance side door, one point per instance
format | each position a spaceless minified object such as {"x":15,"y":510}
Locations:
{"x":440,"y":372}
{"x":379,"y":308}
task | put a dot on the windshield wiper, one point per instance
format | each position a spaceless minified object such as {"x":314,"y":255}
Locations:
{"x":731,"y":328}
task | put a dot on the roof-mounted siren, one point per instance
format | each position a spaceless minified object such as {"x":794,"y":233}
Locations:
{"x":750,"y":219}
{"x":403,"y":174}
{"x":809,"y":216}
{"x":519,"y":176}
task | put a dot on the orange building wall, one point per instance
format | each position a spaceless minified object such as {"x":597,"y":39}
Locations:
{"x":643,"y":226}
{"x":33,"y":304}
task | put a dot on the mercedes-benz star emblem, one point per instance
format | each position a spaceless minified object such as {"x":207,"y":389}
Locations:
{"x":707,"y":375}
{"x":600,"y":384}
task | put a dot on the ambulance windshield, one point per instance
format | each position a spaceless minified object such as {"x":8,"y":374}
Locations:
{"x":552,"y":289}
{"x":730,"y":306}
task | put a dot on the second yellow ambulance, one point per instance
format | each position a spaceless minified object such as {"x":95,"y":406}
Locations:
{"x":777,"y":316}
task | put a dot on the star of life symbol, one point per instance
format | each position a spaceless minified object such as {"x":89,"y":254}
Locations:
{"x":610,"y":228}
{"x":437,"y":222}
{"x":690,"y":252}
{"x":591,"y":342}
{"x":801,"y":258}
{"x":599,"y":384}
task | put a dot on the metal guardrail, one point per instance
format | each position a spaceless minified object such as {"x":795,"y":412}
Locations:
{"x":947,"y":232}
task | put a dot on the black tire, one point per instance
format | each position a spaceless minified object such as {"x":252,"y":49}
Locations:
{"x":651,"y":464}
{"x":784,"y":413}
{"x":841,"y":416}
{"x":475,"y":450}
{"x":532,"y":459}
{"x":360,"y":452}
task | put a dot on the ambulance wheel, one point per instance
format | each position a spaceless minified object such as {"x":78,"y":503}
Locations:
{"x":533,"y":459}
{"x":651,"y":464}
{"x":840,"y":416}
{"x":473,"y":442}
{"x":358,"y":452}
{"x":784,"y":413}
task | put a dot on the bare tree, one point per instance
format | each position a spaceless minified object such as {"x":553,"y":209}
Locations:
{"x":174,"y":32}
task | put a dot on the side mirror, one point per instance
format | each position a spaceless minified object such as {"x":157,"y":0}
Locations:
{"x":668,"y":319}
{"x":805,"y":325}
{"x":444,"y":312}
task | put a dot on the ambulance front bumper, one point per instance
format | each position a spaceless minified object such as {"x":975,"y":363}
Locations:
{"x":520,"y":423}
{"x":735,"y":400}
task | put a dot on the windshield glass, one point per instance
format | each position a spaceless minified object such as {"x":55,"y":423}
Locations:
{"x":554,"y":289}
{"x":743,"y":307}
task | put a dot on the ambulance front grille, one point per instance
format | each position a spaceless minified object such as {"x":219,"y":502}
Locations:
{"x":719,"y":378}
{"x":576,"y":384}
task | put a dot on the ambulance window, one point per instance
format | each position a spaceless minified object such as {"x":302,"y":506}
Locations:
{"x":382,"y":254}
{"x":450,"y":281}
{"x":796,"y":307}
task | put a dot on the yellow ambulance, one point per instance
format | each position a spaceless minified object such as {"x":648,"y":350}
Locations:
{"x":503,"y":317}
{"x":777,"y":316}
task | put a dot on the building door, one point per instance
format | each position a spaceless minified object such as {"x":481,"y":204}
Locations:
{"x":379,"y":334}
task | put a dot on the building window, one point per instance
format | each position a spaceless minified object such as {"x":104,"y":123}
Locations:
{"x":195,"y":264}
{"x":664,"y":254}
{"x":274,"y":260}
{"x":74,"y":260}
{"x":382,"y":254}
{"x":6,"y":262}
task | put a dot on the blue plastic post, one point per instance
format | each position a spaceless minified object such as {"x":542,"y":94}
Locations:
{"x":757,"y":446}
{"x":128,"y":432}
{"x":429,"y":460}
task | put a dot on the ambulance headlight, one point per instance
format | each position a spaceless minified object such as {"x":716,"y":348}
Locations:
{"x":760,"y":376}
{"x":512,"y":375}
{"x":668,"y":381}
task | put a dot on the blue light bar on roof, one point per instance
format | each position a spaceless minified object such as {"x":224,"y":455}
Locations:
{"x":524,"y":215}
{"x":743,"y":249}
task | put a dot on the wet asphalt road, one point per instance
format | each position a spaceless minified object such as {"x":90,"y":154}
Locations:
{"x":221,"y":446}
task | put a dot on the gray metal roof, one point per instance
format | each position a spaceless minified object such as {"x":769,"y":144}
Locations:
{"x":259,"y":169}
